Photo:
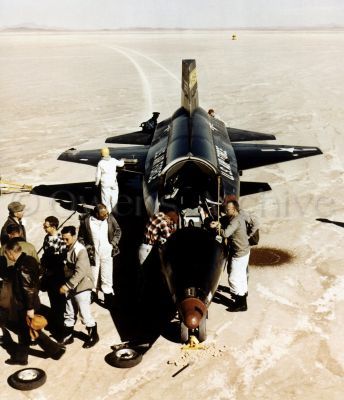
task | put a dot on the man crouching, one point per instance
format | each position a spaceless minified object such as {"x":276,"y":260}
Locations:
{"x":78,"y":286}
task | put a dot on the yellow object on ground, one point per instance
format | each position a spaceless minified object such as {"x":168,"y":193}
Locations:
{"x":193,"y":344}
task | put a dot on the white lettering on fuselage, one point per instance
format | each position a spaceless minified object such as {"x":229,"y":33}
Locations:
{"x":212,"y":127}
{"x":224,"y":164}
{"x":157,"y":166}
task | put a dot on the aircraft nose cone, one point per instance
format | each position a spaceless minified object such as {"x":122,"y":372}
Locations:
{"x":192,"y":311}
{"x":192,"y":319}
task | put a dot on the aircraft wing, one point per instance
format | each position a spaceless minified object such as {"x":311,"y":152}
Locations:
{"x":134,"y":157}
{"x":257,"y":155}
{"x":241,"y":135}
{"x":140,"y":137}
{"x":137,"y":137}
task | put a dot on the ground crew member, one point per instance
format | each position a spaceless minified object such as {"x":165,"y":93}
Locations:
{"x":107,"y":177}
{"x":158,"y":229}
{"x":239,"y":254}
{"x":77,"y":288}
{"x":53,"y":261}
{"x":24,"y":277}
{"x":100,"y":234}
{"x":16,"y":212}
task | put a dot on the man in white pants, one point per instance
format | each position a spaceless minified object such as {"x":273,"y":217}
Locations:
{"x":77,"y":288}
{"x":107,"y":177}
{"x":239,"y":255}
{"x":100,"y":233}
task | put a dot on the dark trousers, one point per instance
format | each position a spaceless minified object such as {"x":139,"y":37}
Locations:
{"x":21,"y":350}
{"x":57,"y":309}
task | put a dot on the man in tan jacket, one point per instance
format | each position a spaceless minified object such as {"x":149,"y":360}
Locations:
{"x":77,"y":288}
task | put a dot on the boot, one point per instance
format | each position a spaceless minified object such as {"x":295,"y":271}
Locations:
{"x":51,"y":348}
{"x":16,"y":361}
{"x":19,"y":356}
{"x":239,"y":303}
{"x":68,"y":336}
{"x":93,"y":337}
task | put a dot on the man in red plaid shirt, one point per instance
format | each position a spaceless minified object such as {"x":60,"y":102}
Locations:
{"x":159,"y":227}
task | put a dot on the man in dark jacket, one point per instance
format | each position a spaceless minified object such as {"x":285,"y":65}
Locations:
{"x":100,"y":234}
{"x":25,"y":286}
{"x":16,"y":212}
{"x":24,"y":279}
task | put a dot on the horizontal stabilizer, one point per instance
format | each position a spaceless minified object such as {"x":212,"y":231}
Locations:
{"x":257,"y":155}
{"x":241,"y":135}
{"x":73,"y":195}
{"x":138,"y":137}
{"x":135,"y":157}
{"x":247,"y":188}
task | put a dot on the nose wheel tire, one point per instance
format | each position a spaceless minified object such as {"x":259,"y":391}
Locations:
{"x":27,"y":379}
{"x":124,"y":358}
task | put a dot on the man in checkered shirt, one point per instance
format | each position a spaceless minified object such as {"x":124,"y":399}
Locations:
{"x":159,"y":228}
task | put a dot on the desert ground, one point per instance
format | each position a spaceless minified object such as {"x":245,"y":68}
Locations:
{"x":64,"y":89}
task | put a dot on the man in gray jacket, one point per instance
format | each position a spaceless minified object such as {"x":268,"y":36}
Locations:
{"x":239,"y":254}
{"x":77,"y":288}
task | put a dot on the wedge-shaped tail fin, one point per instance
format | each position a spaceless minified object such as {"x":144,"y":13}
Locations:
{"x":189,"y":86}
{"x":241,"y":135}
{"x":131,"y":138}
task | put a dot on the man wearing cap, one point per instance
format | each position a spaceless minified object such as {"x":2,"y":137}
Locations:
{"x":107,"y":177}
{"x":16,"y":212}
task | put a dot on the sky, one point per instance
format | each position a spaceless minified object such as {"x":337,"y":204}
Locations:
{"x":189,"y":14}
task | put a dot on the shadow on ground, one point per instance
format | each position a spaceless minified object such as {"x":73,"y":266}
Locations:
{"x":341,"y":224}
{"x":143,"y":306}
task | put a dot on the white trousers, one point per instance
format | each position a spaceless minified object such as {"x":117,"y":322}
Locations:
{"x":109,"y":197}
{"x":79,"y":302}
{"x":237,"y":278}
{"x":103,"y":270}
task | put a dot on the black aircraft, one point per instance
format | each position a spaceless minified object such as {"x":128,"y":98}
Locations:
{"x":192,"y":161}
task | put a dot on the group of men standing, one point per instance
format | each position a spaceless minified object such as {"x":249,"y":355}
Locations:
{"x":74,"y":266}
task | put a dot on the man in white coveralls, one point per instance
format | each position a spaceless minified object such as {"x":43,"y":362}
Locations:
{"x":107,"y":177}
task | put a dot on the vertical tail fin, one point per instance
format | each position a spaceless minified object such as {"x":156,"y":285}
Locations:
{"x":189,"y":85}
